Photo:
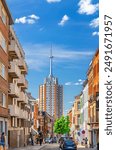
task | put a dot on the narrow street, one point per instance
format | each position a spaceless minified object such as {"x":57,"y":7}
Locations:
{"x":47,"y":147}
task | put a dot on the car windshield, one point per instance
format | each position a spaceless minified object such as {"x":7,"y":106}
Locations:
{"x":69,"y":142}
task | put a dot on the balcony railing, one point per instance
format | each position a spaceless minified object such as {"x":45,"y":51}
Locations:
{"x":14,"y":110}
{"x":14,"y":90}
{"x":23,"y":66}
{"x":22,"y":82}
{"x":14,"y":50}
{"x":23,"y":97}
{"x":23,"y":114}
{"x":14,"y":70}
{"x":25,"y":86}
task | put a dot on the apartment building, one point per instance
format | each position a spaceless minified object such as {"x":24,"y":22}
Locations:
{"x":19,"y":110}
{"x":46,"y":122}
{"x":85,"y":108}
{"x":70,"y":117}
{"x":51,"y":95}
{"x":74,"y":117}
{"x":93,"y":100}
{"x":35,"y":120}
{"x":5,"y":22}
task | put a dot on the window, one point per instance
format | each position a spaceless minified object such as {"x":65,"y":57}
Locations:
{"x":6,"y":128}
{"x":3,"y":15}
{"x":1,"y":127}
{"x":2,"y":99}
{"x":2,"y":70}
{"x":2,"y":42}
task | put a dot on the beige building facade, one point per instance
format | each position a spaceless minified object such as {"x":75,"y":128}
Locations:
{"x":5,"y":22}
{"x":19,"y":110}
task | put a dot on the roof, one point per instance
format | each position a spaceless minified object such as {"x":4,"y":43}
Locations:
{"x":8,"y":11}
{"x":30,"y":96}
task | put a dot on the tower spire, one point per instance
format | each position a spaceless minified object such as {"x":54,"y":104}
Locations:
{"x":51,"y":57}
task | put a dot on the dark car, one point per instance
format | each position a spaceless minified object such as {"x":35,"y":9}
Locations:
{"x":61,"y":141}
{"x":68,"y":144}
{"x":54,"y":140}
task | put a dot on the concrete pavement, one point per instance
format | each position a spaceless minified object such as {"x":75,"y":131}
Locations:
{"x":30,"y":147}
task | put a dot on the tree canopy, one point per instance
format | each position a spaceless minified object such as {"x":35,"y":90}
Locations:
{"x":61,"y":125}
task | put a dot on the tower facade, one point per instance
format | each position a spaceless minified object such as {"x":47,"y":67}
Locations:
{"x":51,"y":95}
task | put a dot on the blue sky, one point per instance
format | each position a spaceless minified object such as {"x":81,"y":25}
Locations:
{"x":72,"y":28}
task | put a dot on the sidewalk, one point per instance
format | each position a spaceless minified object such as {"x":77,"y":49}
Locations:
{"x":30,"y":147}
{"x":80,"y":147}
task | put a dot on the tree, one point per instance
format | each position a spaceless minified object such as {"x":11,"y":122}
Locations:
{"x":61,"y":125}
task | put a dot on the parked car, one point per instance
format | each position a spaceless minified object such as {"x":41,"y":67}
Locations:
{"x":68,"y":144}
{"x":61,"y":141}
{"x":54,"y":140}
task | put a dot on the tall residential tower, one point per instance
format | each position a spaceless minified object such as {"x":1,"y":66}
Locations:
{"x":51,"y":95}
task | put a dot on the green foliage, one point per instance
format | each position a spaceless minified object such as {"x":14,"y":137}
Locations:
{"x":61,"y":125}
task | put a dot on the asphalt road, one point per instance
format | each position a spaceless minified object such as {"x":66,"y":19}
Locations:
{"x":51,"y":147}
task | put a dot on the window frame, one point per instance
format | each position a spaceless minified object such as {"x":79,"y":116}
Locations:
{"x":3,"y":42}
{"x":3,"y":99}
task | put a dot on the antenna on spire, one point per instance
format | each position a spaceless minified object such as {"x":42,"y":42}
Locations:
{"x":51,"y":57}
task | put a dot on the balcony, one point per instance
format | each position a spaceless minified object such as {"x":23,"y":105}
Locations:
{"x":23,"y":66}
{"x":23,"y":114}
{"x":21,"y":97}
{"x":25,"y":86}
{"x":13,"y":50}
{"x":22,"y":82}
{"x":26,"y":99}
{"x":92,"y":99}
{"x":14,"y":110}
{"x":14,"y":70}
{"x":14,"y":90}
{"x":93,"y":120}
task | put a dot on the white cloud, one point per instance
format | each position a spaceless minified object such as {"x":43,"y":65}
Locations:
{"x":86,"y":7}
{"x":94,"y":23}
{"x":64,"y":19}
{"x":60,"y":53}
{"x":21,"y":20}
{"x":68,"y":83}
{"x":33,"y":16}
{"x":77,"y":83}
{"x":95,"y":33}
{"x":53,"y":1}
{"x":71,"y":102}
{"x":80,"y":80}
{"x":31,"y":19}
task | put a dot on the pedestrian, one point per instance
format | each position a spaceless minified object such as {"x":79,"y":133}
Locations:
{"x":40,"y":138}
{"x":2,"y":140}
{"x":98,"y":146}
{"x":86,"y":142}
{"x":31,"y":137}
